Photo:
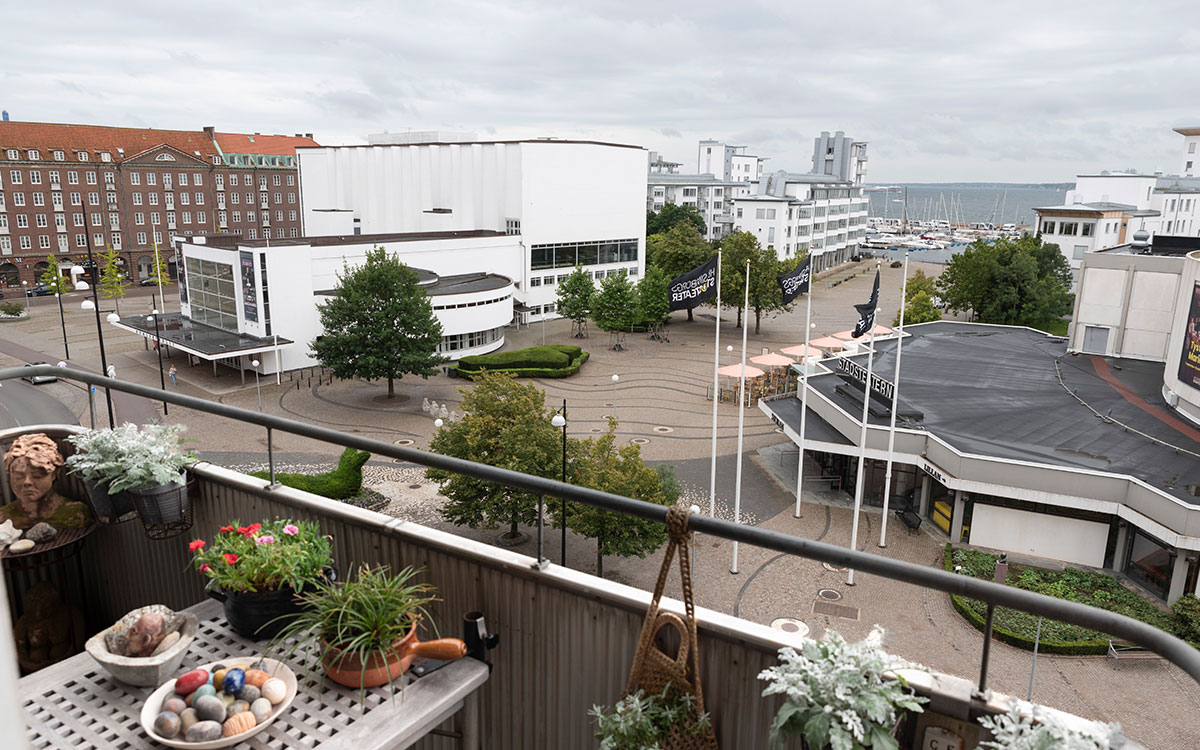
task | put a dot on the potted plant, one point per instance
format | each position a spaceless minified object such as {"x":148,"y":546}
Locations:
{"x":259,"y":571}
{"x":841,"y":695}
{"x":364,"y":631}
{"x":1029,"y":727}
{"x":641,"y":721}
{"x":142,"y":470}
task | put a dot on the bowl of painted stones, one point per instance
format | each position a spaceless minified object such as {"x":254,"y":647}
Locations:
{"x":219,"y":704}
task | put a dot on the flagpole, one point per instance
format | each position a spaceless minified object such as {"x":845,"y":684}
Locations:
{"x":887,"y":476}
{"x":162,"y":303}
{"x":862,"y":441}
{"x":804,"y":386}
{"x":712,"y":483}
{"x":737,"y":488}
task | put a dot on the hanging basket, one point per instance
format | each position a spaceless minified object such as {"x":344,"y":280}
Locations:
{"x":165,"y":511}
{"x":108,"y":509}
{"x":653,"y":669}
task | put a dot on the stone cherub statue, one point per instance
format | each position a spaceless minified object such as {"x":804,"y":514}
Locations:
{"x":32,"y":464}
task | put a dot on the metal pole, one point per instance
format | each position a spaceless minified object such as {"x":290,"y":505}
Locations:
{"x":887,"y":475}
{"x":112,"y":422}
{"x":564,"y":480}
{"x":162,"y":378}
{"x":615,"y":378}
{"x":92,"y":404}
{"x":63,"y":319}
{"x":1037,"y":641}
{"x":862,"y":451}
{"x":987,"y":648}
{"x":271,"y":456}
{"x":737,"y":488}
{"x":258,"y":388}
{"x":25,"y":288}
{"x":712,"y":479}
{"x":804,"y":389}
{"x":542,"y":562}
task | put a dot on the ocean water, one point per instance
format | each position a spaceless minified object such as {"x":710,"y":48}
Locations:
{"x":996,"y":204}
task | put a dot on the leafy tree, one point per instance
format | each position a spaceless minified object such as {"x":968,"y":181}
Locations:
{"x":765,"y":295}
{"x":505,"y":424}
{"x":677,"y":251}
{"x":112,"y":278}
{"x":379,"y":323}
{"x":158,"y":271}
{"x":52,"y":277}
{"x":615,"y":306}
{"x":918,"y":283}
{"x":671,"y":216}
{"x":575,"y":297}
{"x":920,"y":309}
{"x":600,"y":464}
{"x":1021,"y":282}
{"x":653,"y":292}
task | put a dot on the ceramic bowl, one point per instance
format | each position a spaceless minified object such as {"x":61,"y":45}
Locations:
{"x":146,"y":671}
{"x":153,"y":705}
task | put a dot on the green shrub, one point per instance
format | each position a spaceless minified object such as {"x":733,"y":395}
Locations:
{"x":550,"y":361}
{"x":343,"y":482}
{"x":11,"y":309}
{"x":1187,"y":617}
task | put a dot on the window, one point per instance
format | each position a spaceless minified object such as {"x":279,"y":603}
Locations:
{"x":184,"y":199}
{"x":221,"y":219}
{"x":158,"y":238}
{"x":14,"y":154}
{"x":97,"y":220}
{"x":739,"y":213}
{"x":200,"y":218}
{"x":54,"y":179}
{"x":91,"y":178}
{"x":253,"y":234}
{"x":76,"y":199}
{"x":151,"y":178}
{"x":56,"y":199}
{"x":220,"y":181}
{"x":60,"y":222}
{"x":276,"y":180}
{"x":114,"y":221}
{"x":1192,"y":147}
{"x":14,"y":177}
{"x":1047,"y":227}
{"x":105,"y":156}
{"x":237,"y":217}
{"x":233,"y":180}
{"x":187,"y":217}
{"x":62,"y":243}
{"x":77,"y":219}
{"x":155,"y":218}
{"x":139,"y":218}
{"x":83,"y":156}
{"x":278,"y":216}
{"x":141,"y":238}
{"x":81,"y":240}
{"x":234,"y":198}
{"x":292,"y":177}
{"x":6,"y":245}
{"x":34,"y":154}
{"x":44,"y":241}
{"x":1087,"y":229}
{"x":137,"y":199}
{"x":35,"y":177}
{"x":26,"y":244}
{"x":93,"y":199}
{"x":39,"y":199}
{"x":135,"y":178}
{"x":1068,"y":227}
{"x":291,"y":215}
{"x":72,"y":178}
{"x":291,"y":197}
{"x":18,"y":199}
{"x":279,"y":197}
{"x":199,"y":199}
{"x":535,"y":281}
{"x":183,"y":179}
{"x":1079,"y":251}
{"x":59,"y":156}
{"x":153,"y":199}
{"x":249,"y":215}
{"x":249,"y":196}
{"x":41,"y":220}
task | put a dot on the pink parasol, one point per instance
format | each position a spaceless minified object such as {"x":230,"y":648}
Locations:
{"x":772,"y":360}
{"x":735,"y":371}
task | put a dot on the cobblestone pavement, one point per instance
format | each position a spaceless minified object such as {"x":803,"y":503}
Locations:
{"x":661,"y":386}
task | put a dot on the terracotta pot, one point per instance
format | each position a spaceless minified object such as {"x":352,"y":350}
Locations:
{"x":348,"y":669}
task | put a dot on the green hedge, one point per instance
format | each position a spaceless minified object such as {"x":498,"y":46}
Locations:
{"x":343,"y":482}
{"x":550,"y":361}
{"x":1019,"y":629}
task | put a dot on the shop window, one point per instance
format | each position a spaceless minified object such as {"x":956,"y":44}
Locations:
{"x":1149,"y":562}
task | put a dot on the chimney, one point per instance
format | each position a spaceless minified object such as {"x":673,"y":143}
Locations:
{"x":211,"y":132}
{"x":4,"y":115}
{"x":308,"y":136}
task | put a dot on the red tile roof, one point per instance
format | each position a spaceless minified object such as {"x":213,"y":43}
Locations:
{"x":48,"y":137}
{"x":280,"y":145}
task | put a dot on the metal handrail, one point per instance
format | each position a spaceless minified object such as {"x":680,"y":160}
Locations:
{"x":1168,"y":646}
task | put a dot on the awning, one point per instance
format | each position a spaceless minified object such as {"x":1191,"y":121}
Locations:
{"x":204,"y":341}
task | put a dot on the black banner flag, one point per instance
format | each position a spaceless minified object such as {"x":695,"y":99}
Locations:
{"x":690,"y":289}
{"x":866,"y":313}
{"x":797,"y":281}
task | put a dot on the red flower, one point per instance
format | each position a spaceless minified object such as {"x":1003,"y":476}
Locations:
{"x":251,"y":530}
{"x":195,"y":545}
{"x":226,"y":529}
{"x":230,"y":558}
{"x":242,"y":529}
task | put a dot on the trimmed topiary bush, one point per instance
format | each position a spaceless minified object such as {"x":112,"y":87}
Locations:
{"x":343,"y":482}
{"x":550,"y":361}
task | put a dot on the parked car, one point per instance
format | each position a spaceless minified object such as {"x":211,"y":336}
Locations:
{"x":38,"y":290}
{"x":152,"y":281}
{"x":39,"y":379}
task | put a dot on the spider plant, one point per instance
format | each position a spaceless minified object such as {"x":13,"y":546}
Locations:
{"x":350,"y":622}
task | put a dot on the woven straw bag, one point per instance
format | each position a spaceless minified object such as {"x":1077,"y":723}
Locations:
{"x":652,"y":668}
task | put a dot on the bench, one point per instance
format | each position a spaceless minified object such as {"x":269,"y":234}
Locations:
{"x":1126,"y":650}
{"x":910,"y":518}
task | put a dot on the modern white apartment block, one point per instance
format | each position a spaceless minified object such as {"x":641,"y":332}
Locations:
{"x":1104,"y":210}
{"x":563,"y":202}
{"x":820,"y":212}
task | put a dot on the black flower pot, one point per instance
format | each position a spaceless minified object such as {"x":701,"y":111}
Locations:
{"x":260,"y":615}
{"x":108,"y":509}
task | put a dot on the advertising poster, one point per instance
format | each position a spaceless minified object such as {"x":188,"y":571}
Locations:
{"x":249,"y":290}
{"x":1189,"y":359}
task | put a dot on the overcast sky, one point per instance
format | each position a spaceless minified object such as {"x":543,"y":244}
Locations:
{"x":942,"y":91}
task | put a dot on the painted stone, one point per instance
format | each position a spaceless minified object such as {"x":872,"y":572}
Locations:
{"x":167,"y":724}
{"x":219,"y":675}
{"x":190,"y":681}
{"x":238,"y":707}
{"x":256,"y":677}
{"x":167,"y":643}
{"x":227,"y":699}
{"x":239,"y":723}
{"x":249,"y":693}
{"x":233,"y":682}
{"x":209,"y":708}
{"x":174,"y":705}
{"x":261,"y":709}
{"x":188,"y":717}
{"x":274,"y":690}
{"x":205,"y":690}
{"x":203,"y":731}
{"x":21,"y":545}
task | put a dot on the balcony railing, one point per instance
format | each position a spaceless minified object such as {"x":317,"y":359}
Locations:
{"x":555,"y":624}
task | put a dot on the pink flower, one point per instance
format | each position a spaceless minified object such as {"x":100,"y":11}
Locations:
{"x":204,"y":567}
{"x":291,"y":529}
{"x":265,"y":539}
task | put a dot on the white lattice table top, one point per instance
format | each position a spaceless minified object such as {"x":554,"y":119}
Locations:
{"x":76,"y":704}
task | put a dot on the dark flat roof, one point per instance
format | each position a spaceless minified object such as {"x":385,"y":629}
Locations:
{"x":993,"y":390}
{"x":231,"y":242}
{"x":176,"y":329}
{"x":438,"y":286}
{"x":815,"y":428}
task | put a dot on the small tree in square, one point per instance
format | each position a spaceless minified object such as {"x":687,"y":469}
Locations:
{"x":653,"y":296}
{"x":112,"y":279}
{"x":575,"y":300}
{"x":52,"y":277}
{"x":379,"y":323}
{"x":615,"y":306}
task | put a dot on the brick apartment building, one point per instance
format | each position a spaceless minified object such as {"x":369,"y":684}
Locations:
{"x":131,"y":188}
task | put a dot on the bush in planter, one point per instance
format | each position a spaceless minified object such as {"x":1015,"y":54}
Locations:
{"x":641,"y":721}
{"x":837,"y":695}
{"x":11,"y":310}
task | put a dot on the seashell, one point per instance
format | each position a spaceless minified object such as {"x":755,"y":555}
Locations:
{"x":238,"y":723}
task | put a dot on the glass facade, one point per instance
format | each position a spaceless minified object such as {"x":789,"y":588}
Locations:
{"x":571,"y":254}
{"x":461,"y":341}
{"x":1149,"y":562}
{"x":211,"y":293}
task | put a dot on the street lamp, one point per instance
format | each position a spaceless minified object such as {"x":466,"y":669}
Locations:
{"x":25,"y":288}
{"x":254,"y":364}
{"x":560,"y":420}
{"x":63,"y":319}
{"x":615,"y":379}
{"x":162,"y":378}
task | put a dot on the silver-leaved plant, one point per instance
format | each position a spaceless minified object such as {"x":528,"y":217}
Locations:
{"x":1026,"y":727}
{"x":126,"y":457}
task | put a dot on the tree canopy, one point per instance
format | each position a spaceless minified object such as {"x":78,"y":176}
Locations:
{"x":52,"y":277}
{"x":765,"y":266}
{"x":615,"y":306}
{"x":575,"y":297}
{"x":676,"y":251}
{"x":920,"y":309}
{"x":379,"y":323}
{"x":1009,"y":282}
{"x":506,"y":423}
{"x":652,"y":293}
{"x":113,"y":281}
{"x":672,"y":215}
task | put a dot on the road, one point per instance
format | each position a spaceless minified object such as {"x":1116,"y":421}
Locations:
{"x":23,"y":404}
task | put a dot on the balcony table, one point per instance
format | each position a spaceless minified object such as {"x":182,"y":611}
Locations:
{"x":76,"y":704}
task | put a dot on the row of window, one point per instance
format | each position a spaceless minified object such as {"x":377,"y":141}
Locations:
{"x":598,"y":274}
{"x":1070,"y":228}
{"x":571,"y":254}
{"x":461,"y":305}
{"x":1185,"y":204}
{"x":232,"y":160}
{"x":34,"y":154}
{"x":461,"y":341}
